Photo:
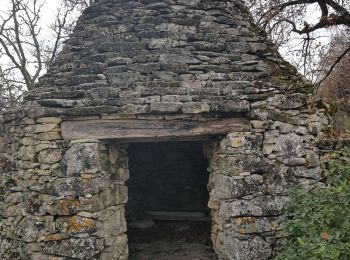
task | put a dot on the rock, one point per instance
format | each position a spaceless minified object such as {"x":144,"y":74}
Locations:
{"x":295,"y":161}
{"x":195,"y":108}
{"x":231,"y":106}
{"x":50,"y":156}
{"x":225,"y":187}
{"x":315,"y":128}
{"x":235,"y":165}
{"x":257,"y":206}
{"x":234,"y":248}
{"x":78,"y":186}
{"x":302,"y":171}
{"x":254,"y":179}
{"x":79,"y":248}
{"x":162,"y":107}
{"x":80,"y":158}
{"x":40,"y":128}
{"x":50,"y":136}
{"x":49,"y":120}
{"x":313,"y":159}
{"x":30,"y":229}
{"x":76,"y":224}
{"x":290,"y":145}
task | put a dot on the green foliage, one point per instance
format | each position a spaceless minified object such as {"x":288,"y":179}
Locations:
{"x":318,"y":223}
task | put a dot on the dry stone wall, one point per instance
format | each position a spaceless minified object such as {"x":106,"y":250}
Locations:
{"x":165,"y":60}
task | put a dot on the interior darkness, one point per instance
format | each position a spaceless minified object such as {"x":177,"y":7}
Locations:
{"x":167,"y":177}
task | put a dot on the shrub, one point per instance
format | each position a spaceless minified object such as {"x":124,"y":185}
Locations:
{"x":318,"y":223}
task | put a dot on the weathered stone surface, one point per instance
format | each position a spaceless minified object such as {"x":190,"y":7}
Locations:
{"x":234,"y":248}
{"x":49,"y":120}
{"x":195,"y":108}
{"x":50,"y":136}
{"x":74,"y":186}
{"x":80,"y":158}
{"x":50,"y":156}
{"x":30,"y":229}
{"x":232,"y":166}
{"x":75,"y":224}
{"x":257,"y":206}
{"x":290,"y":145}
{"x":79,"y":248}
{"x":40,"y":128}
{"x":163,"y":107}
{"x":112,"y":223}
{"x":225,"y":187}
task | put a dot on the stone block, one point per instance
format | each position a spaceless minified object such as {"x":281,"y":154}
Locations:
{"x":50,"y":136}
{"x":75,"y":225}
{"x":166,"y":107}
{"x":195,"y":108}
{"x":111,"y":223}
{"x":242,"y":106}
{"x":234,"y":165}
{"x":117,"y":250}
{"x":75,"y":186}
{"x":257,"y":206}
{"x":230,"y":247}
{"x":80,"y":158}
{"x":49,"y":120}
{"x":29,"y":229}
{"x":79,"y":248}
{"x":256,"y":225}
{"x":40,"y":128}
{"x":225,"y":187}
{"x":50,"y":156}
{"x":291,"y":145}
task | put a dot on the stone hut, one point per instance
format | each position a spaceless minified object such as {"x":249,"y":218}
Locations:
{"x":178,"y":109}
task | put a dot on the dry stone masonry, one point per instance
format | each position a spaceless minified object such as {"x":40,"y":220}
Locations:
{"x":165,"y":60}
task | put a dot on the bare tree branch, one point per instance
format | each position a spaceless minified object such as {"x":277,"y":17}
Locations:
{"x":346,"y":51}
{"x":24,"y":52}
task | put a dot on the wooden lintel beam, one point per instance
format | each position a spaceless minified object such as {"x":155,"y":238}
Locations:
{"x":151,"y":130}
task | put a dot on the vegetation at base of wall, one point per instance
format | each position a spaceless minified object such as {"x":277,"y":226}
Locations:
{"x":318,"y":222}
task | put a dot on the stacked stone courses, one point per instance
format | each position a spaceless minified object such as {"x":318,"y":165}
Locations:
{"x":171,"y":60}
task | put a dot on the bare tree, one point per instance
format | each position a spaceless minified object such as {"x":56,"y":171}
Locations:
{"x":11,"y":89}
{"x":24,"y":54}
{"x":63,"y":26}
{"x":288,"y":24}
{"x":19,"y":32}
{"x":335,"y":87}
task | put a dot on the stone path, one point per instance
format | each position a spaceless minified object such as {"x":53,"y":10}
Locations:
{"x":175,"y":250}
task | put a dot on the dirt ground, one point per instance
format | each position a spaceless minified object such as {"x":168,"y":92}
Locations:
{"x":171,"y":241}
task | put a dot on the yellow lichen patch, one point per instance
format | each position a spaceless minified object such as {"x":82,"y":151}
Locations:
{"x":14,"y":177}
{"x":85,"y":178}
{"x":245,"y":220}
{"x":66,"y":206}
{"x":236,"y":142}
{"x":79,"y":224}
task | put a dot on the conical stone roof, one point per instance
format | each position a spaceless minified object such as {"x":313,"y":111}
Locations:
{"x":169,"y":56}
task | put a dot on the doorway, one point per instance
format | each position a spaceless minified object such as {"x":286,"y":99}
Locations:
{"x":167,"y":212}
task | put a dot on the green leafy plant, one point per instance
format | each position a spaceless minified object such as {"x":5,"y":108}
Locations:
{"x":318,"y":222}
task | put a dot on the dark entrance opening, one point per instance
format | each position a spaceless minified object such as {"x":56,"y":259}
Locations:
{"x":167,"y":211}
